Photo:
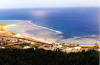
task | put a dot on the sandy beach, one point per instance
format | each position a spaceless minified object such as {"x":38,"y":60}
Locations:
{"x":5,"y":32}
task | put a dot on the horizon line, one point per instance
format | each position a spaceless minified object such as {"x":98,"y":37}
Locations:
{"x":54,"y":7}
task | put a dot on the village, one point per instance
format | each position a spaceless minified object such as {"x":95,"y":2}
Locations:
{"x":22,"y":43}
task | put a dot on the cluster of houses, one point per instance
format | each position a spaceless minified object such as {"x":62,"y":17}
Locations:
{"x":65,"y":48}
{"x":14,"y":42}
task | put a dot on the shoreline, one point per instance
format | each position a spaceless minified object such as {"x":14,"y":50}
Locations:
{"x":4,"y":27}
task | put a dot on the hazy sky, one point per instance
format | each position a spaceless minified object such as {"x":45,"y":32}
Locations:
{"x":48,"y":3}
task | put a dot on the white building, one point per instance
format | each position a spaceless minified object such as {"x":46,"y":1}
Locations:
{"x":77,"y":48}
{"x":26,"y":47}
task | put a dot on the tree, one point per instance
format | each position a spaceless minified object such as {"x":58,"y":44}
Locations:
{"x":96,"y":45}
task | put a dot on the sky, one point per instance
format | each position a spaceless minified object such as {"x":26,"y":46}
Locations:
{"x":48,"y":3}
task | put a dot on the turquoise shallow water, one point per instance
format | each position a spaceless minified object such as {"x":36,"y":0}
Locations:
{"x":12,"y":21}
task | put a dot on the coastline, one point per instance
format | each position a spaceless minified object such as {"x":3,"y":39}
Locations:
{"x":15,"y":40}
{"x":78,"y":40}
{"x":5,"y":32}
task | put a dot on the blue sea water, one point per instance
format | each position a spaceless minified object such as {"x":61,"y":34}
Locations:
{"x":71,"y":21}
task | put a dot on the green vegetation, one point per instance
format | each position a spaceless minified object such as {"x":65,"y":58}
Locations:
{"x":25,"y":44}
{"x":46,"y":57}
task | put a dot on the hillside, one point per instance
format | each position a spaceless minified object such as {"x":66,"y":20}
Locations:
{"x":47,"y":57}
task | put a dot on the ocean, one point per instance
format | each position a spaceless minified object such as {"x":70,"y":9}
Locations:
{"x":72,"y":22}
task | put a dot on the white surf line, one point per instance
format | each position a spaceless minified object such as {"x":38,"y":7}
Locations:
{"x":59,"y":32}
